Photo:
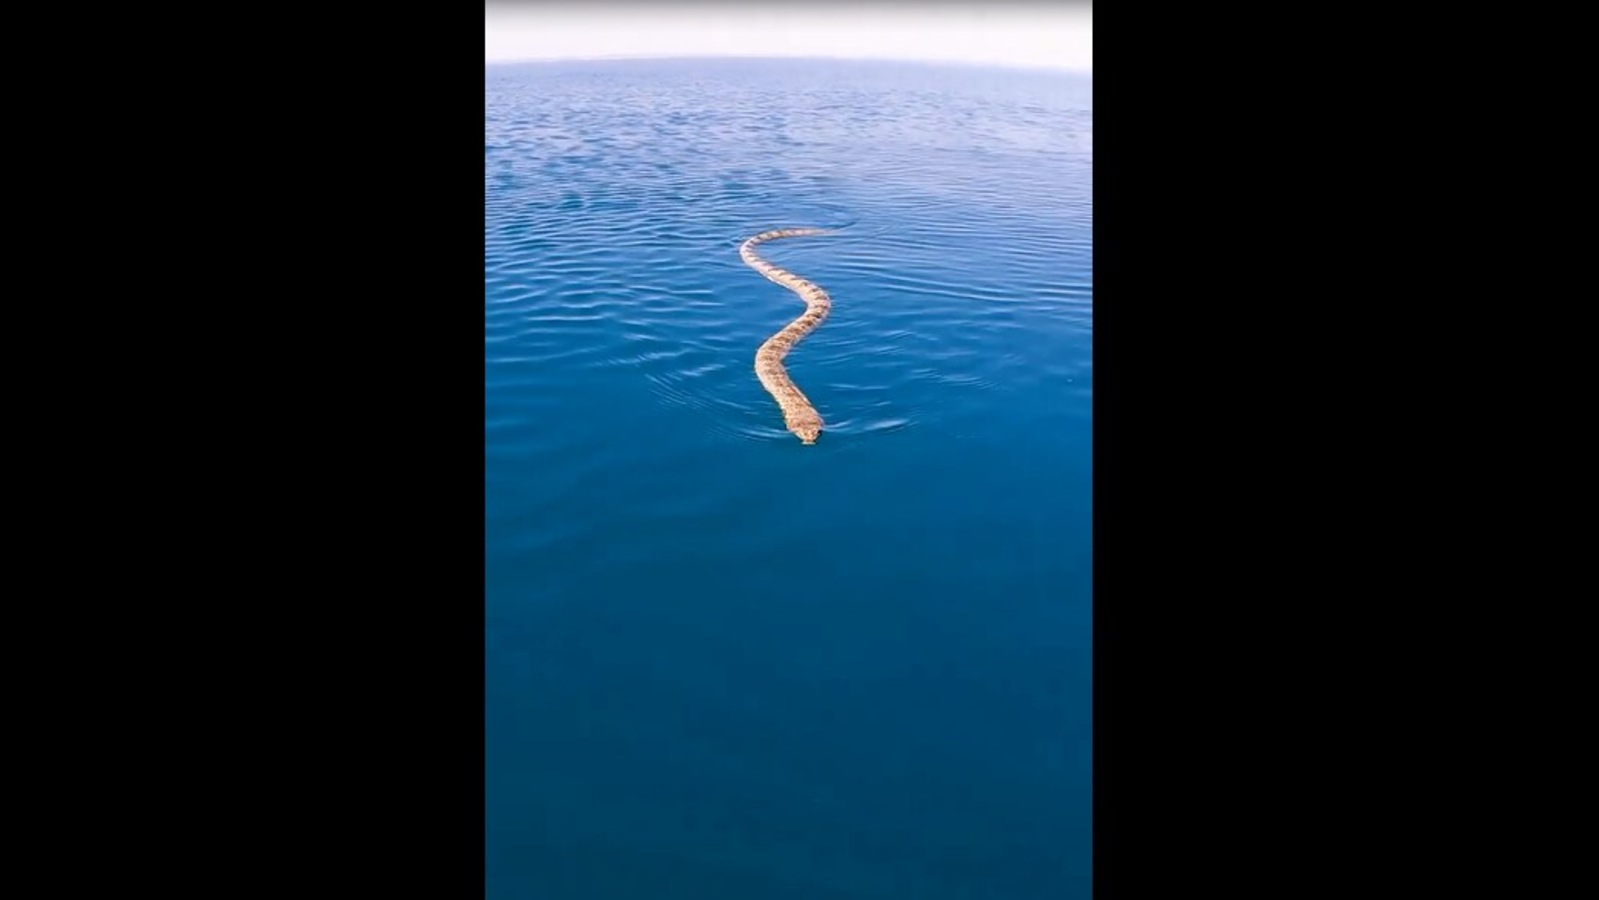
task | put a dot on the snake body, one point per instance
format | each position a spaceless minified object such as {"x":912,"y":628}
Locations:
{"x":798,"y":414}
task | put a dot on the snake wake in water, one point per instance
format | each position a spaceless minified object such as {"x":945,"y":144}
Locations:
{"x":798,"y":414}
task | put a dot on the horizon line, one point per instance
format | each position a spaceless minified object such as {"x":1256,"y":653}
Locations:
{"x":679,"y":57}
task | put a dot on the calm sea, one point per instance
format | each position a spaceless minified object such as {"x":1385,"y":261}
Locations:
{"x":721,"y":664}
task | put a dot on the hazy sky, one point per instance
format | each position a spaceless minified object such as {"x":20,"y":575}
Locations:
{"x":1058,"y":36}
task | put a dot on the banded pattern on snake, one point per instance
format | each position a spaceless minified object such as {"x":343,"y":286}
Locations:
{"x":799,"y":416}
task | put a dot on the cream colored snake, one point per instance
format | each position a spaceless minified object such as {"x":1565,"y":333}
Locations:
{"x":798,"y":414}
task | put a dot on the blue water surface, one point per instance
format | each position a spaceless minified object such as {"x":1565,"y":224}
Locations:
{"x":720,"y":663}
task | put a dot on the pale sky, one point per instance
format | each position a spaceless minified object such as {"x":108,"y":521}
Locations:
{"x":1030,"y":36}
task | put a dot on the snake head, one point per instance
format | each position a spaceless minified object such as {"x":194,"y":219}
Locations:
{"x":806,"y":426}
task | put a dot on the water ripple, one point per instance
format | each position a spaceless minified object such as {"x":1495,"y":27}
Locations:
{"x":614,"y":210}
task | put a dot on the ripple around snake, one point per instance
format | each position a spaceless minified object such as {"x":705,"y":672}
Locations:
{"x":880,"y":638}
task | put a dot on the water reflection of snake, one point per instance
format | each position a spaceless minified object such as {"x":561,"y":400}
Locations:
{"x":798,"y":414}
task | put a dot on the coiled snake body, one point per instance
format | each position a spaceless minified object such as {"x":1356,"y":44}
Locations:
{"x":798,"y":414}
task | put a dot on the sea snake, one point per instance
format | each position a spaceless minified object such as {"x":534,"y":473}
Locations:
{"x":798,"y":414}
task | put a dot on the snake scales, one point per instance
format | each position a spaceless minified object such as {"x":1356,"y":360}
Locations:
{"x":798,"y":414}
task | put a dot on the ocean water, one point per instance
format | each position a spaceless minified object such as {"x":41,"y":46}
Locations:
{"x":720,"y":663}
